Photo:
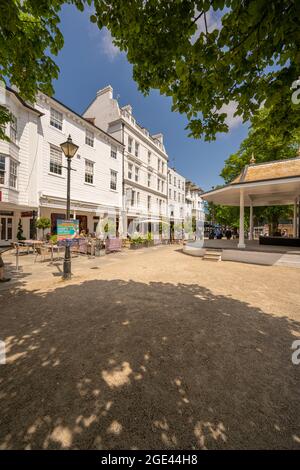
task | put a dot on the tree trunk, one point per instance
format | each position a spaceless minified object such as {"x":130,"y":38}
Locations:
{"x":274,"y":225}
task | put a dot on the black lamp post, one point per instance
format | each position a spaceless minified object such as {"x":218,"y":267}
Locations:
{"x":69,"y":149}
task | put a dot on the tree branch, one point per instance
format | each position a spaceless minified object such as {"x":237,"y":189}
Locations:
{"x":205,"y":22}
{"x":198,"y":17}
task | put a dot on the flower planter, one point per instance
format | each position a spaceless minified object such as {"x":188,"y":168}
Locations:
{"x":126,"y":243}
{"x":136,"y":246}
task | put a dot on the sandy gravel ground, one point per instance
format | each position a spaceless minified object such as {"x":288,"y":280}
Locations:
{"x":153,"y":350}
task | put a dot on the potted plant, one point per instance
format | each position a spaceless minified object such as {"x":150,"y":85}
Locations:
{"x":20,"y":235}
{"x":43,"y":223}
{"x":149,"y":240}
{"x":53,"y":239}
{"x":136,"y":242}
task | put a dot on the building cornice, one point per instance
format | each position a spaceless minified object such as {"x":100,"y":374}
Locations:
{"x":141,"y":135}
{"x":26,"y":105}
{"x":76,"y":202}
{"x":144,"y":188}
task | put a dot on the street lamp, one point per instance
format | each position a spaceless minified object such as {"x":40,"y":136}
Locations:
{"x":69,"y":149}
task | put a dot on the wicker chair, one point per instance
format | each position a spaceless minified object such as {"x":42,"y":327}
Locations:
{"x":42,"y":251}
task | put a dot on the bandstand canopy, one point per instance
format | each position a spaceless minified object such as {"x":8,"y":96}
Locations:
{"x":262,"y":184}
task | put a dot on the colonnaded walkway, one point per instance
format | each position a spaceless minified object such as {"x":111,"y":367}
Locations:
{"x":154,"y":350}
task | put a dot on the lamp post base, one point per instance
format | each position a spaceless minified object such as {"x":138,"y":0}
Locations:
{"x":67,"y":264}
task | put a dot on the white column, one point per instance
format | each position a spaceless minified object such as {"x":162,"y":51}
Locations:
{"x":251,"y":223}
{"x":241,"y":243}
{"x":122,"y":224}
{"x":295,"y":218}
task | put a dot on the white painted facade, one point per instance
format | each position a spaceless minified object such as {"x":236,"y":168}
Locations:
{"x":120,"y":171}
{"x":194,"y":202}
{"x":38,"y":187}
{"x":97,"y":157}
{"x":176,"y":195}
{"x":18,"y":161}
{"x":145,"y":159}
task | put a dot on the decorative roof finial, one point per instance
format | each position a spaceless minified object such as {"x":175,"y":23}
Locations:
{"x":252,"y":161}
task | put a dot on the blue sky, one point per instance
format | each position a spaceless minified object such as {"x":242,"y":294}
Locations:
{"x":89,"y":61}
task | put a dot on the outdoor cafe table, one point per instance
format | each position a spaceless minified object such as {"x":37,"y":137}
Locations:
{"x":32,"y":243}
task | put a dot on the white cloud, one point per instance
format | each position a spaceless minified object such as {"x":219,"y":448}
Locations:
{"x":231,"y":120}
{"x":107,"y":46}
{"x":213,"y":21}
{"x":102,"y":39}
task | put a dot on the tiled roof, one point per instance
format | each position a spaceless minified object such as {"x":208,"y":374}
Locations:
{"x":269,"y":171}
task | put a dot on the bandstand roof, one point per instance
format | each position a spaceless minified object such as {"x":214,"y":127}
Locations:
{"x":263,"y":184}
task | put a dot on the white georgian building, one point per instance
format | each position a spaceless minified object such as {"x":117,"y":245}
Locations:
{"x":18,"y":163}
{"x":120,"y":171}
{"x":96,"y":179}
{"x":145,"y":161}
{"x":33,"y":173}
{"x":194,"y":206}
{"x":176,"y":203}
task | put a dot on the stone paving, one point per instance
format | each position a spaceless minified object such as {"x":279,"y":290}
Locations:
{"x":153,"y":349}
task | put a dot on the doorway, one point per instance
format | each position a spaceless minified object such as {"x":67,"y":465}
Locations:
{"x":6,"y":224}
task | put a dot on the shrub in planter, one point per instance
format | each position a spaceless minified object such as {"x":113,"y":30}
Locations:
{"x":53,"y":239}
{"x":43,"y":223}
{"x":149,"y":240}
{"x":20,"y":235}
{"x":136,"y":242}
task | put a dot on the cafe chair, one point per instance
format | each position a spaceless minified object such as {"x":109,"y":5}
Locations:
{"x":43,"y":252}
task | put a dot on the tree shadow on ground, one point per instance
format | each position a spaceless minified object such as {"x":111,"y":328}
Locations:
{"x":116,"y":365}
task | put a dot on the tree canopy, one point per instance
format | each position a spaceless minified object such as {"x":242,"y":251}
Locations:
{"x":264,"y":146}
{"x":29,"y":35}
{"x":206,"y":54}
